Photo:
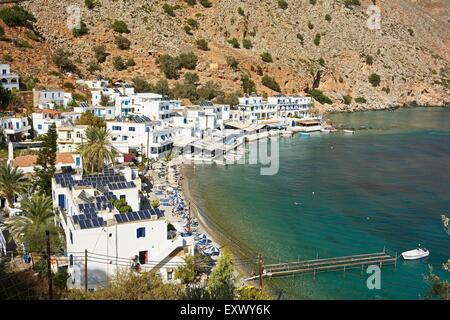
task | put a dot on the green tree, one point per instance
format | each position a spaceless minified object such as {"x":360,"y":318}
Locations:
{"x":374,"y":79}
{"x":251,"y":293}
{"x":89,"y":119}
{"x":155,"y":203}
{"x":247,"y":84}
{"x":37,"y":217}
{"x":62,"y":60}
{"x":186,"y":273}
{"x":46,"y":161}
{"x":97,"y":150}
{"x":270,"y":83}
{"x":12,"y":182}
{"x":129,"y":285}
{"x":140,"y":85}
{"x":319,"y":96}
{"x":169,"y":66}
{"x":328,"y":17}
{"x":121,"y":205}
{"x":162,"y":87}
{"x":5,"y":98}
{"x":16,"y":16}
{"x":221,"y":282}
{"x":188,"y":60}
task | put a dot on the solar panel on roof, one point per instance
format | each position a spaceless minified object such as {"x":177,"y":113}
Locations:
{"x":135,"y":216}
{"x":83,"y":224}
{"x":75,"y":219}
{"x":124,"y":217}
{"x":95,"y":223}
{"x":141,"y":215}
{"x":88,"y":223}
{"x":146,"y":214}
{"x":81,"y":217}
{"x":101,"y":221}
{"x":118,"y":218}
{"x":130,"y":216}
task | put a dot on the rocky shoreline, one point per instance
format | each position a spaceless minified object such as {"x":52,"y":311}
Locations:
{"x":344,"y":108}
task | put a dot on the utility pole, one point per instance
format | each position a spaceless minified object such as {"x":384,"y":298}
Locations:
{"x":49,"y":266}
{"x":85,"y":270}
{"x":260,"y":271}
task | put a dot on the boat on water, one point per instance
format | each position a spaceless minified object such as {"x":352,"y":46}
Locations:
{"x":307,"y":134}
{"x":325,"y":130}
{"x":349,"y":131}
{"x":415,"y":254}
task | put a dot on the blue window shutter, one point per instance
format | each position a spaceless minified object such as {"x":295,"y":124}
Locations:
{"x":62,"y":201}
{"x":78,"y":161}
{"x":39,"y":126}
{"x":140,"y":233}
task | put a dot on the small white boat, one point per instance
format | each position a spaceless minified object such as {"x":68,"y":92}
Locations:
{"x":415,"y":254}
{"x":325,"y":130}
{"x":349,"y":131}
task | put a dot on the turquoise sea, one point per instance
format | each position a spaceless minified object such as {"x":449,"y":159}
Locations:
{"x":337,"y":195}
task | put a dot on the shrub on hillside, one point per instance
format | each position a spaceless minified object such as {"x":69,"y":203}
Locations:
{"x":120,"y":26}
{"x":247,"y":84}
{"x":122,"y":43}
{"x":360,"y":100}
{"x":62,"y":60}
{"x":169,"y":66}
{"x":100,"y":53}
{"x":31,"y":35}
{"x":192,"y":23}
{"x":16,"y":16}
{"x":202,"y":44}
{"x":282,"y":4}
{"x":206,"y":3}
{"x":247,"y":44}
{"x":266,"y":57}
{"x":270,"y":83}
{"x":81,"y":31}
{"x":234,"y":42}
{"x":188,"y":60}
{"x":374,"y":79}
{"x":319,"y":96}
{"x":317,"y":39}
{"x":232,"y":62}
{"x":119,"y":64}
{"x":369,"y":60}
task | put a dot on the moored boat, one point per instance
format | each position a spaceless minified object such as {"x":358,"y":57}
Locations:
{"x":415,"y":254}
{"x":349,"y":131}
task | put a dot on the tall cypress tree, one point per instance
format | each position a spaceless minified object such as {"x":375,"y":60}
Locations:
{"x":47,"y":161}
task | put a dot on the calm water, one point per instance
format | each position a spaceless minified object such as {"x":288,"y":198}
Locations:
{"x":339,"y":195}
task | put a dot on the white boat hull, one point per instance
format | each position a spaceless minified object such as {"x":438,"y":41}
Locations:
{"x":415,"y":254}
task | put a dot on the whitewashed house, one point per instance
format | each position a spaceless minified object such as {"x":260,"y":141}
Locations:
{"x":8,"y":80}
{"x":51,"y":98}
{"x":15,"y":128}
{"x":290,"y":106}
{"x":141,"y":134}
{"x":114,"y":241}
{"x":70,"y":137}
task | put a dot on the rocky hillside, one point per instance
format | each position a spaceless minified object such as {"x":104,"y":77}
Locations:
{"x":326,"y":45}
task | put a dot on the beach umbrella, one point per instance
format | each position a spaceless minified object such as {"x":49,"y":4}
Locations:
{"x":203,"y":242}
{"x":202,"y":236}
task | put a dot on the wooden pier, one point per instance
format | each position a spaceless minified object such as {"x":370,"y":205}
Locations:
{"x":326,"y":265}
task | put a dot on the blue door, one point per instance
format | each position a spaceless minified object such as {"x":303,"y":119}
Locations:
{"x":62,"y":201}
{"x":77,"y":161}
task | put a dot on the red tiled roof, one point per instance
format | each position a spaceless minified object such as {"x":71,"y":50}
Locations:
{"x":30,"y":160}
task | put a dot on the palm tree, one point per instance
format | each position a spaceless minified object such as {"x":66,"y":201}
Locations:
{"x":12,"y":182}
{"x":37,"y":214}
{"x":97,"y":150}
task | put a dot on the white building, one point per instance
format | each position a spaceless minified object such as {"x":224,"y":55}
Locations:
{"x":114,"y":241}
{"x":15,"y":128}
{"x":70,"y":137}
{"x":51,"y":98}
{"x":141,"y":134}
{"x":290,"y":106}
{"x":8,"y":80}
{"x":253,"y":109}
{"x":43,"y":119}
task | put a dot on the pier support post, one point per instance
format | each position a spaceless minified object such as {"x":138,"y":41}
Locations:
{"x":362,"y":269}
{"x":395,"y":263}
{"x":344,"y":271}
